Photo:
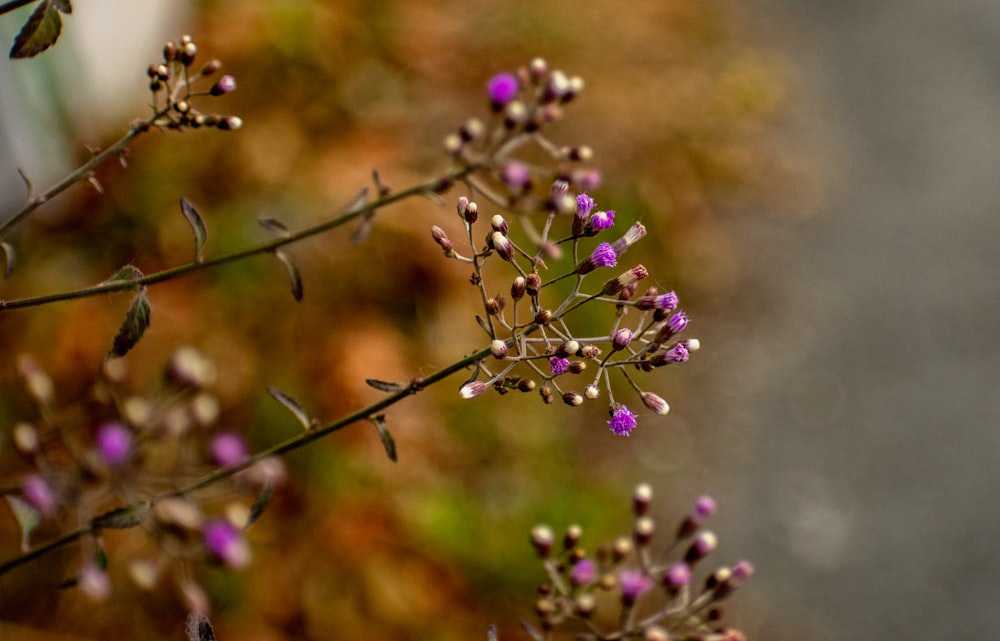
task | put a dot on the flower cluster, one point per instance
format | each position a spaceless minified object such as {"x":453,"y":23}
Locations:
{"x":125,"y":442}
{"x":658,"y":597}
{"x":533,"y":333}
{"x":171,"y":84}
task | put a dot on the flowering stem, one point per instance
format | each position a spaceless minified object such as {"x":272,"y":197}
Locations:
{"x":353,"y":212}
{"x":293,"y":443}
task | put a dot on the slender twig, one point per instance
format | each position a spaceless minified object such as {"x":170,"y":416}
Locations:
{"x":189,"y":268}
{"x":7,"y":7}
{"x":81,"y":173}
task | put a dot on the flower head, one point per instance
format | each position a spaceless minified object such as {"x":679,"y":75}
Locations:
{"x":38,"y":493}
{"x":226,"y":543}
{"x":502,"y":88}
{"x":224,"y":85}
{"x":599,"y":221}
{"x":666,"y":301}
{"x":633,"y":583}
{"x":584,"y":205}
{"x":583,"y":573}
{"x":114,"y":443}
{"x":227,"y":448}
{"x":603,"y":256}
{"x":622,"y":420}
{"x":559,"y":365}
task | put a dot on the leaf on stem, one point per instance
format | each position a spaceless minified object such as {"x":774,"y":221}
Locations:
{"x":122,"y":518}
{"x":274,"y":226}
{"x":292,"y":406}
{"x":27,"y":518}
{"x":385,"y":386}
{"x":133,"y":327}
{"x":260,"y":503}
{"x":126,"y":273}
{"x":293,"y":273}
{"x":40,"y":31}
{"x":197,"y":226}
{"x":9,"y":258}
{"x":383,"y":433}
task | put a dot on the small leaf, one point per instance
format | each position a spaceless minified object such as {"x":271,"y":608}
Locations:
{"x":27,"y":517}
{"x":63,"y":5}
{"x":9,"y":258}
{"x":293,"y":274}
{"x":128,"y":272}
{"x":385,"y":386}
{"x":383,"y":433}
{"x":260,"y":503}
{"x":133,"y":327}
{"x":197,"y":226}
{"x":40,"y":31}
{"x":292,"y":406}
{"x":482,"y":323}
{"x":274,"y":226}
{"x":121,"y":518}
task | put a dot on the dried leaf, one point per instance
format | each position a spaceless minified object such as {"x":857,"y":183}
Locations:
{"x":128,"y":272}
{"x":293,"y":274}
{"x":260,"y":503}
{"x":274,"y":226}
{"x":383,"y":433}
{"x":385,"y":386}
{"x":197,"y":226}
{"x":199,"y":628}
{"x":292,"y":406}
{"x":40,"y":31}
{"x":27,"y":518}
{"x":9,"y":258}
{"x":133,"y":327}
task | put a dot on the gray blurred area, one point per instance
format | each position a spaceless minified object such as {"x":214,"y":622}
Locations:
{"x":862,"y":405}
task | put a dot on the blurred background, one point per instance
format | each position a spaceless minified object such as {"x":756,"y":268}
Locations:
{"x":815,"y":179}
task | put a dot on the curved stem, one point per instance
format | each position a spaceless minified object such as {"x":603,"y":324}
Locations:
{"x":353,"y":212}
{"x":7,"y":7}
{"x":293,"y":443}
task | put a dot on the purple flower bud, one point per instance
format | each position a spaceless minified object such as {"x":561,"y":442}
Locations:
{"x":502,"y":88}
{"x":224,"y":85}
{"x":559,"y":365}
{"x":472,"y":390}
{"x":114,"y":443}
{"x":622,"y":420}
{"x":655,"y":403}
{"x":226,"y":543}
{"x":666,"y":301}
{"x":227,"y":448}
{"x":627,"y":279}
{"x":583,"y":573}
{"x":677,"y":323}
{"x":516,"y":174}
{"x":678,"y":575}
{"x":704,"y":507}
{"x":621,"y":339}
{"x":584,"y":205}
{"x":702,"y":546}
{"x":633,"y":583}
{"x":38,"y":493}
{"x":502,"y":245}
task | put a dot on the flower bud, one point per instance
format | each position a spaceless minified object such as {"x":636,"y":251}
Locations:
{"x":568,"y":348}
{"x":655,"y":403}
{"x":499,"y":349}
{"x":472,"y":389}
{"x":642,"y":530}
{"x":223,"y":86}
{"x":572,"y":399}
{"x":591,"y":392}
{"x":517,"y":288}
{"x":636,"y":232}
{"x":642,"y":497}
{"x":498,"y":223}
{"x":543,"y":316}
{"x":542,"y":538}
{"x":526,"y":385}
{"x":621,"y":339}
{"x":230,"y":123}
{"x":533,"y":283}
{"x":501,"y":244}
{"x":114,"y":443}
{"x":630,"y":277}
{"x":210,"y":68}
{"x":702,"y":546}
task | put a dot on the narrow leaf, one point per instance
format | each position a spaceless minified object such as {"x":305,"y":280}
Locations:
{"x":385,"y":386}
{"x":63,"y":5}
{"x":199,"y":628}
{"x":121,"y":518}
{"x":9,"y":258}
{"x":274,"y":226}
{"x":133,"y":327}
{"x":27,"y":518}
{"x":260,"y":503}
{"x":197,"y":226}
{"x":383,"y":433}
{"x":293,"y":274}
{"x":292,"y":406}
{"x":39,"y":33}
{"x":128,"y":272}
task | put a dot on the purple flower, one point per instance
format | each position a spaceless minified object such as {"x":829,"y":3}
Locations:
{"x":600,"y":220}
{"x":704,"y":507}
{"x":678,"y":574}
{"x":114,"y":443}
{"x":502,"y":88}
{"x":583,"y":573}
{"x":621,"y":338}
{"x":38,"y":493}
{"x":227,"y":448}
{"x":584,"y":205}
{"x":674,"y":325}
{"x":516,"y":174}
{"x":666,"y":301}
{"x":559,"y":365}
{"x":602,"y":256}
{"x":622,"y":419}
{"x":633,"y":583}
{"x":226,"y":543}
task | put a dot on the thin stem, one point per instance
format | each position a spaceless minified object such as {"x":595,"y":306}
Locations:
{"x":189,"y":268}
{"x":34,"y":202}
{"x":7,"y":7}
{"x":284,"y":447}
